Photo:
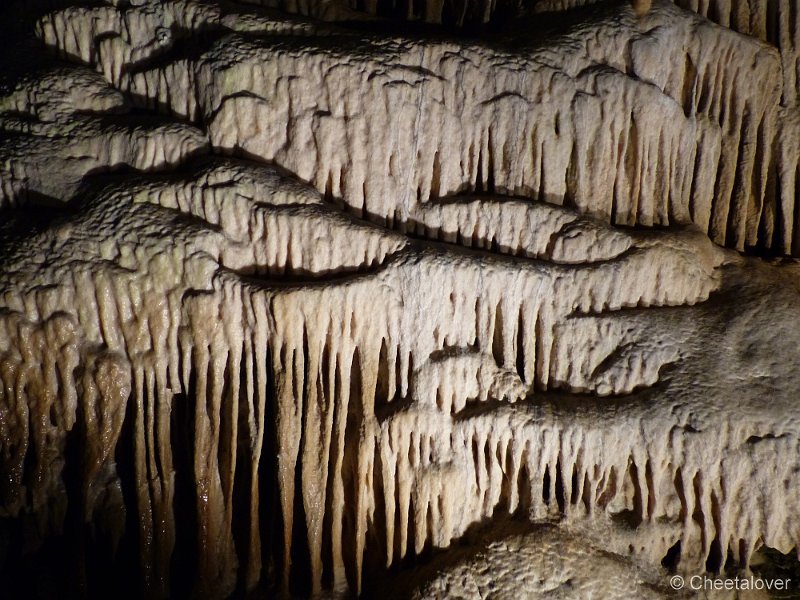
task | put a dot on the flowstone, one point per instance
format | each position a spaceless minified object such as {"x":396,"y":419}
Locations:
{"x":331,"y":306}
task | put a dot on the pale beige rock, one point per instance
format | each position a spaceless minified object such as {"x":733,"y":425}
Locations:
{"x":517,"y":560}
{"x":543,"y":561}
{"x":63,"y":123}
{"x":486,"y":329}
{"x":574,"y":122}
{"x":775,"y":22}
{"x":417,"y":319}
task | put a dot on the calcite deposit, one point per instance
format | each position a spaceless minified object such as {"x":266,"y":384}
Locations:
{"x":450,"y":299}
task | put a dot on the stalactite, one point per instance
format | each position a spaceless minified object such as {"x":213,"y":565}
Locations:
{"x":600,"y":92}
{"x":437,"y":328}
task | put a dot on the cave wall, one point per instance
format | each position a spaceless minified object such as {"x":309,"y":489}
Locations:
{"x":286,"y":303}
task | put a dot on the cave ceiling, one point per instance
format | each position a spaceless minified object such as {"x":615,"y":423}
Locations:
{"x":400,"y":299}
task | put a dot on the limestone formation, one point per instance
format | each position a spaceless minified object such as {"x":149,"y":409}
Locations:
{"x":309,"y":303}
{"x":574,"y":121}
{"x":540,"y":561}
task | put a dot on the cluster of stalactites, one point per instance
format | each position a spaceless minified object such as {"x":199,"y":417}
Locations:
{"x":328,"y":358}
{"x":635,"y":128}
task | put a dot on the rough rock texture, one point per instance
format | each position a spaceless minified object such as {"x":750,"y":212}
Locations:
{"x":774,"y":21}
{"x":627,"y":118}
{"x":285,"y":306}
{"x":62,"y":123}
{"x":514,"y":560}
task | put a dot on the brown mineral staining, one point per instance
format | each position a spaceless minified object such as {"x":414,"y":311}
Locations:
{"x":641,"y":7}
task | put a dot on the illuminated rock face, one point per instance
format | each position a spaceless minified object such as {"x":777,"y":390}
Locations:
{"x":628,"y":118}
{"x":284,"y":305}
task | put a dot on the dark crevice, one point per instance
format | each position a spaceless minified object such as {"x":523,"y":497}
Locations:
{"x":672,"y":557}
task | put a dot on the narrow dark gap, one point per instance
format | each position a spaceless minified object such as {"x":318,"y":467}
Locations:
{"x":351,"y":390}
{"x":632,"y":518}
{"x":586,"y":493}
{"x":730,"y":565}
{"x":328,"y":196}
{"x":773,"y":26}
{"x":546,"y":485}
{"x":427,"y":547}
{"x":410,"y":559}
{"x":697,"y":515}
{"x":542,"y":196}
{"x":382,"y":392}
{"x":507,"y":484}
{"x":334,"y":450}
{"x":713,"y":12}
{"x":300,"y":581}
{"x":479,"y":177}
{"x":489,"y":456}
{"x":678,"y":481}
{"x":574,"y":496}
{"x":490,"y":166}
{"x":476,"y":460}
{"x":524,"y":487}
{"x":183,"y":568}
{"x":398,"y":523}
{"x":638,"y":495}
{"x":539,"y":374}
{"x":300,"y":574}
{"x":129,"y":549}
{"x":771,"y":232}
{"x":497,"y":339}
{"x":737,"y":212}
{"x":269,"y":507}
{"x":328,"y":379}
{"x":694,"y":190}
{"x":689,"y":85}
{"x":609,"y":488}
{"x":520,"y":362}
{"x":571,"y":175}
{"x":763,"y":187}
{"x":714,"y":560}
{"x":75,"y":529}
{"x":651,"y":489}
{"x":102,"y":570}
{"x":632,"y":166}
{"x":398,"y":373}
{"x":377,"y":541}
{"x":672,"y":557}
{"x":243,"y":476}
{"x":226,"y":458}
{"x":560,"y":501}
